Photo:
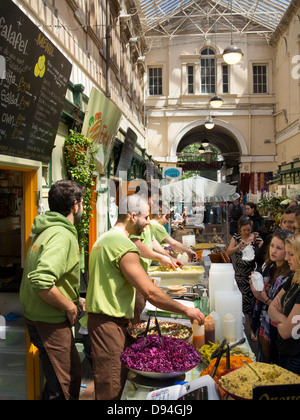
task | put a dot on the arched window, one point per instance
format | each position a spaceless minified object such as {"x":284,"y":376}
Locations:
{"x":208,"y":70}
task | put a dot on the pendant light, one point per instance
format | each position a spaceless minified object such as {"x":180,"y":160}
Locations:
{"x":216,"y":101}
{"x":205,"y":142}
{"x":232,"y":54}
{"x":209,"y":123}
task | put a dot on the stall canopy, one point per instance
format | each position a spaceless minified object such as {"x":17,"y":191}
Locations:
{"x":198,"y":189}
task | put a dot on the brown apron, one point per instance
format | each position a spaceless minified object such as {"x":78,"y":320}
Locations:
{"x":139,"y":306}
{"x":59,"y":344}
{"x":109,"y":338}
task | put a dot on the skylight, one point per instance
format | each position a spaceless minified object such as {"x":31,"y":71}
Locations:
{"x":170,"y":18}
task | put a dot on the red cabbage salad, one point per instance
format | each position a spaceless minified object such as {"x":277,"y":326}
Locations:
{"x":176,"y":356}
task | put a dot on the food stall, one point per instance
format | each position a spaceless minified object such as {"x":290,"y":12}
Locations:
{"x":200,"y":191}
{"x":165,"y":363}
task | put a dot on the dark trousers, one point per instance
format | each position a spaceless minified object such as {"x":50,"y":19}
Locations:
{"x":52,"y":389}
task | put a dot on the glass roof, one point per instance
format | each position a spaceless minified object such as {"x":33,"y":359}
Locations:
{"x":170,"y":18}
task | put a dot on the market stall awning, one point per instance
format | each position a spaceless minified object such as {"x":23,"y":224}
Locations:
{"x":198,"y":189}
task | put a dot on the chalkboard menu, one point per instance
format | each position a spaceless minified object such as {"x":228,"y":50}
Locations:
{"x":34,"y":76}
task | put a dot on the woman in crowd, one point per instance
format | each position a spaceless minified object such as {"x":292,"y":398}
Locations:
{"x":297,"y":222}
{"x":285,"y":311}
{"x":252,"y":212}
{"x":243,"y":266}
{"x":276,"y":272}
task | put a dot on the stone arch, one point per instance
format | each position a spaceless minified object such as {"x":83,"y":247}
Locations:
{"x":238,"y":142}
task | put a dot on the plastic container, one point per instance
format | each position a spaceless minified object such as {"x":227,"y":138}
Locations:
{"x":257,"y":281}
{"x":221,"y":279}
{"x":204,"y":303}
{"x":230,"y":303}
{"x":209,"y":328}
{"x":229,"y":328}
{"x":217,"y":321}
{"x":198,"y":337}
{"x":189,"y":240}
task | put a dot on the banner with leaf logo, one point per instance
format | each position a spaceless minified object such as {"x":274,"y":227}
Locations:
{"x":101,"y":123}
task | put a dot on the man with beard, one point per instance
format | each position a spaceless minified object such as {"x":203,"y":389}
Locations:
{"x":49,"y":290}
{"x":114,"y":276}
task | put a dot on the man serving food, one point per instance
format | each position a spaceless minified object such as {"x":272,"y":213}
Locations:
{"x":115,"y":275}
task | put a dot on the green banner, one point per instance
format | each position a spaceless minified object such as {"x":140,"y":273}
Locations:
{"x":101,"y":123}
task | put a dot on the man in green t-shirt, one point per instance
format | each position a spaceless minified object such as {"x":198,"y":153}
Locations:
{"x":147,"y":243}
{"x":49,"y":290}
{"x":115,"y":275}
{"x":157,"y":227}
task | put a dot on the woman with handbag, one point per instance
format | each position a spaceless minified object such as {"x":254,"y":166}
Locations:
{"x":243,"y":245}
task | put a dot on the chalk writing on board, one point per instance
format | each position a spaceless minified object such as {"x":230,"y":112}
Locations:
{"x":33,"y":83}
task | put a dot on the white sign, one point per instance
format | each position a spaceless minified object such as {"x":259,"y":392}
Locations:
{"x":2,"y":328}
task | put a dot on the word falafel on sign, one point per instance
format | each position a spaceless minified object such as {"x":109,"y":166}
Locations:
{"x":34,"y":76}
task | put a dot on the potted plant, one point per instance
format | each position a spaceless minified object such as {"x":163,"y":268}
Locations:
{"x":79,"y":154}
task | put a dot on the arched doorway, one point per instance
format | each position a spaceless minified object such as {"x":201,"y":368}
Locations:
{"x":226,"y":138}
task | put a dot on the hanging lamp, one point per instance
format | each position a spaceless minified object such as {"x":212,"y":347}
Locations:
{"x":205,"y":142}
{"x":201,"y":149}
{"x":209,"y":123}
{"x":216,"y":101}
{"x":232,"y":54}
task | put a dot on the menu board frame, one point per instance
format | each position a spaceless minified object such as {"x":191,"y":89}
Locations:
{"x":34,"y":76}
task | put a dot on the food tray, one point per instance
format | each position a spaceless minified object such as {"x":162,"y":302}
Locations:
{"x":269,"y":374}
{"x":186,"y":275}
{"x":168,"y":329}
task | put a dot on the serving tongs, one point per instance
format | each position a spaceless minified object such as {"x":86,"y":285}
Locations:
{"x":224,"y":348}
{"x":218,"y":358}
{"x":145,"y":333}
{"x":218,"y":350}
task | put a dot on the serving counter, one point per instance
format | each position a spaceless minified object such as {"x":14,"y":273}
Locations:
{"x":138,"y":387}
{"x":188,"y":274}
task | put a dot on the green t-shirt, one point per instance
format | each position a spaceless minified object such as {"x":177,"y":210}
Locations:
{"x":146,"y":237}
{"x":159,"y":232}
{"x":108,"y":291}
{"x":53,"y":260}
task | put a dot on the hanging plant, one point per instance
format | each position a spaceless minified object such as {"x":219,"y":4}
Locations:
{"x":79,"y":153}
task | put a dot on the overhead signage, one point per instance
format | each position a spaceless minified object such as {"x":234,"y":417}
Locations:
{"x":101,"y":123}
{"x":34,"y":76}
{"x":172,"y":173}
{"x":126,"y":154}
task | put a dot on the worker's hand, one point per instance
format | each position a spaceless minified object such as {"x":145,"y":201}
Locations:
{"x":192,"y":255}
{"x":72,"y":315}
{"x":166,"y":261}
{"x":178,"y":263}
{"x":195,"y":314}
{"x":81,"y":304}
